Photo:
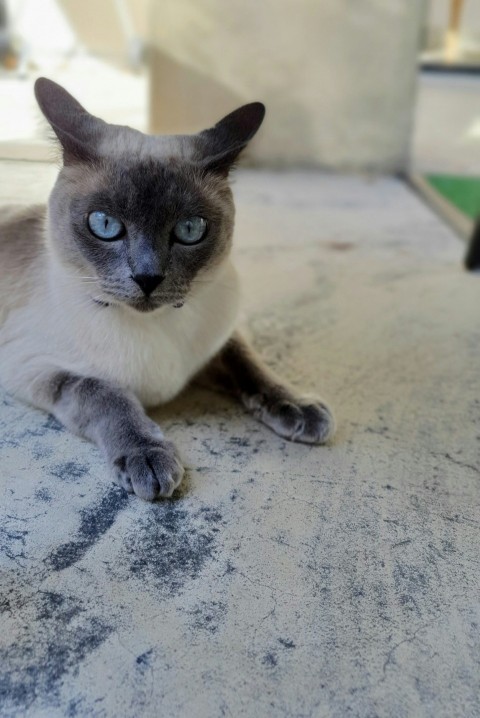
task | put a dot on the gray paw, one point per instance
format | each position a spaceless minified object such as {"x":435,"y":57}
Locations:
{"x":306,"y":420}
{"x":151,"y":471}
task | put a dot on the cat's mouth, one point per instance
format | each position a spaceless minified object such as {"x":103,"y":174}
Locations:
{"x":149,"y":304}
{"x":142,"y":304}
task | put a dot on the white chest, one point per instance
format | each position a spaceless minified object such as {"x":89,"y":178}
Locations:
{"x":154,"y":354}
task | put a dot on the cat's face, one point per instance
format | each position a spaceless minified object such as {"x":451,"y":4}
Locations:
{"x":140,"y":232}
{"x":138,"y":219}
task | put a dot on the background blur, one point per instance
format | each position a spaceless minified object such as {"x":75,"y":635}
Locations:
{"x":375,"y":85}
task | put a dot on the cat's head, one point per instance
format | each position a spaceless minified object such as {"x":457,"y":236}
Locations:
{"x":139,"y":218}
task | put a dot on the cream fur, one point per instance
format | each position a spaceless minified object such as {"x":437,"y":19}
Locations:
{"x":154,"y":354}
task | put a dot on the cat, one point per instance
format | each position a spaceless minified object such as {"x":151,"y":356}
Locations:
{"x":121,"y":291}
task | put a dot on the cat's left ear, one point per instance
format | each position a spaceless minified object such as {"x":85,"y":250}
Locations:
{"x":221,"y":145}
{"x":78,"y":131}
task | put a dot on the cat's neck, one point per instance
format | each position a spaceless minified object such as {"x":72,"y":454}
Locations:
{"x":75,"y":297}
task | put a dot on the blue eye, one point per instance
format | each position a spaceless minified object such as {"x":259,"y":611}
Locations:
{"x":104,"y":226}
{"x":191,"y":230}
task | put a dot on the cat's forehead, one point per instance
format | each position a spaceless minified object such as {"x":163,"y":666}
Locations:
{"x":132,"y":170}
{"x":146,"y":185}
{"x":140,"y":173}
{"x":127,"y":143}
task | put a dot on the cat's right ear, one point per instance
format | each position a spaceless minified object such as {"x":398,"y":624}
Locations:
{"x":221,"y":144}
{"x":78,"y":131}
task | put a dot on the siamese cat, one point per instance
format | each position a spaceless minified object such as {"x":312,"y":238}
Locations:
{"x":121,"y":291}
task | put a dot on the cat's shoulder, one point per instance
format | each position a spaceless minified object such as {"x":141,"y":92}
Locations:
{"x":21,"y":228}
{"x":21,"y":234}
{"x":21,"y":245}
{"x":15,"y":216}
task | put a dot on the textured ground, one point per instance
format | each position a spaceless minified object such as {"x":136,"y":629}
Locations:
{"x":283,"y":580}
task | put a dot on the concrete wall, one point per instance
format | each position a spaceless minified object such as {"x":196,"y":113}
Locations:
{"x":337,"y":76}
{"x":103,"y":28}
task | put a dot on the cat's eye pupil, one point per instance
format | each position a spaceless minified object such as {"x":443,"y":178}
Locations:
{"x":190,"y":230}
{"x":104,"y":226}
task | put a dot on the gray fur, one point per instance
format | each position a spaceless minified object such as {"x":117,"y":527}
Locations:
{"x":141,"y":459}
{"x":21,"y":249}
{"x":78,"y":336}
{"x":239,"y":371}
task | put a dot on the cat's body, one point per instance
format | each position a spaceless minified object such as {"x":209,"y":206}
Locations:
{"x":59,"y":327}
{"x":122,"y":291}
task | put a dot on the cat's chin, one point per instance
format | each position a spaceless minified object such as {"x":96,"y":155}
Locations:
{"x":145,"y":306}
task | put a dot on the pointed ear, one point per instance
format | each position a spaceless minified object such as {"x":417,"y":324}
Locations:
{"x":78,"y":131}
{"x":221,"y":145}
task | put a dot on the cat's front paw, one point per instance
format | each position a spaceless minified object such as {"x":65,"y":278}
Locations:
{"x":150,"y":471}
{"x":306,"y":420}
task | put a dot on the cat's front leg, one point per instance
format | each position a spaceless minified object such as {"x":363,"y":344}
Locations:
{"x":238,"y":370}
{"x":142,"y":460}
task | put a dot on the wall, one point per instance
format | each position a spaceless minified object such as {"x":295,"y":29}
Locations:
{"x":102,"y":26}
{"x":337,"y":76}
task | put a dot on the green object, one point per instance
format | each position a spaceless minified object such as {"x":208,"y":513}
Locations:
{"x":463,"y":192}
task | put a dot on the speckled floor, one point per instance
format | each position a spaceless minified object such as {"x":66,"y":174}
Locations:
{"x":283,"y":580}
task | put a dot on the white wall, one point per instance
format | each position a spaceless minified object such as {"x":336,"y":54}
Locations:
{"x":105,"y":27}
{"x":337,"y":76}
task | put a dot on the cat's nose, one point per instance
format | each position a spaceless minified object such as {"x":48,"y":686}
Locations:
{"x":147,"y":282}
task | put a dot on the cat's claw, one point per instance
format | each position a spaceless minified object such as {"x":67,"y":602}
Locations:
{"x":306,"y":420}
{"x":152,"y":471}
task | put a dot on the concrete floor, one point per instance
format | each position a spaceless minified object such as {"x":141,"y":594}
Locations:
{"x":282,"y":580}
